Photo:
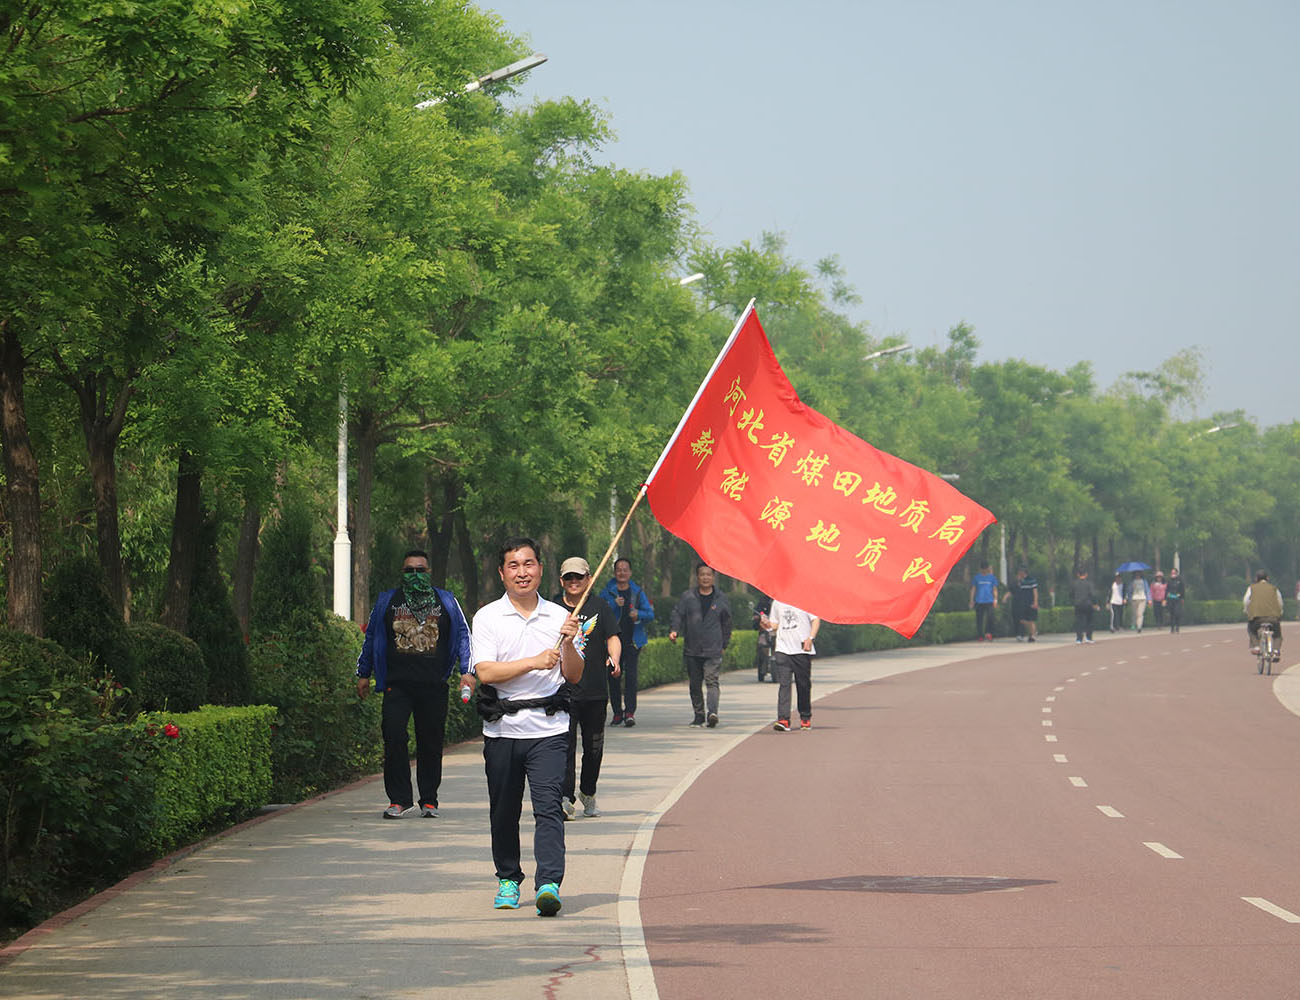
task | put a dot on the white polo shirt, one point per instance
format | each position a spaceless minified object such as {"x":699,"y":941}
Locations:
{"x":500,"y":634}
{"x":793,"y":626}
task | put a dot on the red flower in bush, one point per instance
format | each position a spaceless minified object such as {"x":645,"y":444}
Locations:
{"x":171,"y":730}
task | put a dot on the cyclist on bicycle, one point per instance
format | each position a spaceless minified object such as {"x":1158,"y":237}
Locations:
{"x":1262,"y":603}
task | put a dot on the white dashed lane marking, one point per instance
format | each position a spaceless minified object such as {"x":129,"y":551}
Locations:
{"x":1059,"y":758}
{"x":1272,"y":908}
{"x":1111,"y":811}
{"x":1050,"y":697}
{"x":1050,"y":738}
{"x":1047,"y":722}
{"x":1162,"y":850}
{"x":1047,"y":710}
{"x":1058,"y":689}
{"x":1078,"y":783}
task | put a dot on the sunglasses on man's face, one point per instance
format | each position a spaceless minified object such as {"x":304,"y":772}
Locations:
{"x":571,"y":577}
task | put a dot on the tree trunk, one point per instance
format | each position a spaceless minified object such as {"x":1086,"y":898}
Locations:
{"x":367,"y":439}
{"x":22,"y":491}
{"x":440,"y":492}
{"x":108,"y":539}
{"x":468,"y":564}
{"x":246,"y":562}
{"x":185,"y":541}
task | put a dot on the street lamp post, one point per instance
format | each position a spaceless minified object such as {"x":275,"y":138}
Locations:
{"x":342,"y":542}
{"x":887,"y":350}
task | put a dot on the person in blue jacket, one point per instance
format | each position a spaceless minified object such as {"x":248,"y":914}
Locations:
{"x":416,"y":634}
{"x":633,"y":609}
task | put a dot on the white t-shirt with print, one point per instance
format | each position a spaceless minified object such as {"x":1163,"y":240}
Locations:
{"x":793,"y":626}
{"x":500,"y":634}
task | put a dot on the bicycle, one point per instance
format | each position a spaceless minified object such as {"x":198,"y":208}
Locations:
{"x":1267,"y":652}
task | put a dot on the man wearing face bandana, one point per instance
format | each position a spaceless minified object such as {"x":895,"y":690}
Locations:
{"x":416,"y":634}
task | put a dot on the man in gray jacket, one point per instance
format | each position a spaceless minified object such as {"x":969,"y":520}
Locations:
{"x":703,"y":619}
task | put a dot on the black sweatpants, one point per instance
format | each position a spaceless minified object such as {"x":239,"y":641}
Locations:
{"x":427,"y":701}
{"x":590,"y":717}
{"x":507,"y":763}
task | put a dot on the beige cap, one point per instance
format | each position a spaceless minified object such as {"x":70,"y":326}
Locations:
{"x":574,"y":564}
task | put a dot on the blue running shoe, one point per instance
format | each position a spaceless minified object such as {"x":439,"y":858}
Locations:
{"x":548,"y":900}
{"x":507,"y":897}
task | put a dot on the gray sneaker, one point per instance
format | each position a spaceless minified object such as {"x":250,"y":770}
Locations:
{"x":589,"y":807}
{"x":428,"y":810}
{"x":569,"y":809}
{"x":394,"y":811}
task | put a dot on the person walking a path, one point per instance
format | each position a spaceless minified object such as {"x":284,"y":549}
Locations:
{"x":523,"y":653}
{"x":634,"y":609}
{"x":702,"y":618}
{"x":589,"y":697}
{"x":1138,"y":595}
{"x":795,"y":631}
{"x":1117,"y":603}
{"x":1084,"y":600}
{"x":1175,"y":593}
{"x":983,"y":596}
{"x":415,"y":635}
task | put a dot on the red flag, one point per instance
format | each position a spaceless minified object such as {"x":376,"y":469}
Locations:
{"x":767,"y":490}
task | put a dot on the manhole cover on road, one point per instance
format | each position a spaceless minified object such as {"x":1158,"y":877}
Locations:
{"x":939,"y":885}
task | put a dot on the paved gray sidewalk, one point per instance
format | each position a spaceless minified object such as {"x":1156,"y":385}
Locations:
{"x":327,"y":900}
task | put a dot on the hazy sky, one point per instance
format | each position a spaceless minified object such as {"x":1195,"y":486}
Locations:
{"x":1109,"y":182}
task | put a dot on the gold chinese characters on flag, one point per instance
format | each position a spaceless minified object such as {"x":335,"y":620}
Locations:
{"x":768,"y":490}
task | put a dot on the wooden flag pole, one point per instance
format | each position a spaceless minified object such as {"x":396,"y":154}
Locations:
{"x":613,"y":543}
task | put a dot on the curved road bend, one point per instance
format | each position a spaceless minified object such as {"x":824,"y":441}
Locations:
{"x":1115,"y":820}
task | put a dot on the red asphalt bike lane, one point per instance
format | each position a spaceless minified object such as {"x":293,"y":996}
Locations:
{"x":939,"y":834}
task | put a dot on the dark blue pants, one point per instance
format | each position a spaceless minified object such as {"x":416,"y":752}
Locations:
{"x":622,"y":690}
{"x":507,"y":763}
{"x":428,"y":703}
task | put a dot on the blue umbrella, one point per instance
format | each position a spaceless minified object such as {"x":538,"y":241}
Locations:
{"x":1129,"y":567}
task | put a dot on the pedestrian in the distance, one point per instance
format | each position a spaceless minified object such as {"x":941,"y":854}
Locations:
{"x":1138,"y":595}
{"x":1024,"y":605}
{"x":1175,"y":593}
{"x":634,"y":609}
{"x":1117,"y":603}
{"x":795,"y":631}
{"x":1159,"y":596}
{"x":983,"y":596}
{"x":1085,"y":603}
{"x":415,"y":635}
{"x":702,"y":618}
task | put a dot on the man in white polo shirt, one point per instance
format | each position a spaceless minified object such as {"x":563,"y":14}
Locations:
{"x":522,"y":665}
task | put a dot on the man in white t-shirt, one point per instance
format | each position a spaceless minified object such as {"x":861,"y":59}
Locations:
{"x":522,"y":665}
{"x":795,"y":631}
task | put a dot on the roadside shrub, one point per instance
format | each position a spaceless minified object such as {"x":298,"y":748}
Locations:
{"x":167,"y":669}
{"x":80,"y":616}
{"x":69,"y":783}
{"x":324,"y":734}
{"x":209,"y":768}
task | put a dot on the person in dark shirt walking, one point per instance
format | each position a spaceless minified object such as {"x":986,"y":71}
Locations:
{"x":588,"y":698}
{"x":703,"y":618}
{"x":415,"y":635}
{"x":1084,"y":599}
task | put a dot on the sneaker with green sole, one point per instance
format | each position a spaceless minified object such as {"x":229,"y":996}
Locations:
{"x":548,"y":900}
{"x":507,"y":897}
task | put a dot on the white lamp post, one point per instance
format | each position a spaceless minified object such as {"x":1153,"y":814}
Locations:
{"x":342,"y":543}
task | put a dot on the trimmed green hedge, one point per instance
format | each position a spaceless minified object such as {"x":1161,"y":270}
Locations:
{"x":210,"y":767}
{"x":324,"y":734}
